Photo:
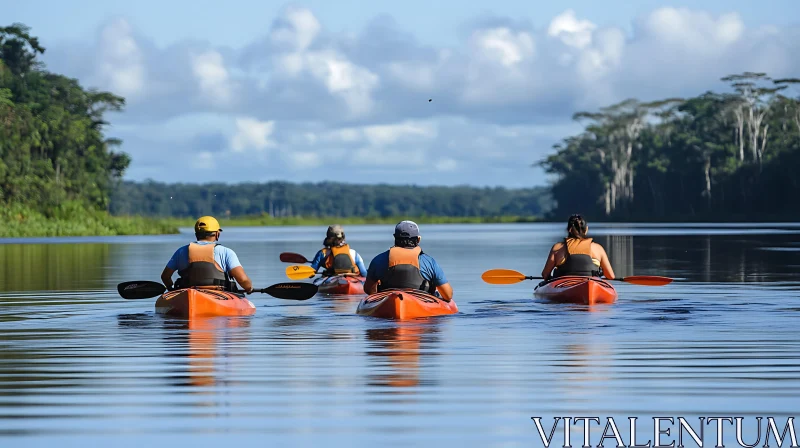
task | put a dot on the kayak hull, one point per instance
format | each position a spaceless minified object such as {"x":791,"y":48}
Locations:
{"x":191,"y":302}
{"x":341,"y":285}
{"x":404,"y":304}
{"x":576,"y":289}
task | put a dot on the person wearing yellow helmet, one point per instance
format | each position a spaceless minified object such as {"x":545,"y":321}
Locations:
{"x":206,"y":263}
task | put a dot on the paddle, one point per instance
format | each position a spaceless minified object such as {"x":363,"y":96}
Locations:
{"x":288,"y":291}
{"x":142,"y":289}
{"x":300,"y":272}
{"x":291,"y":257}
{"x":509,"y":277}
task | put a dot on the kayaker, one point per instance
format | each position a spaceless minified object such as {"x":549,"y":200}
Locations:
{"x":337,"y":257}
{"x":406,"y":266}
{"x":206,"y":262}
{"x":577,"y":254}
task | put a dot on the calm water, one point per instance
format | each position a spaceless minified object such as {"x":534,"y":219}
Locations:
{"x":79,"y":366}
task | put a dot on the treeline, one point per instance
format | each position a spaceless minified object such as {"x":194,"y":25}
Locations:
{"x":52,"y":146}
{"x":57,"y":168}
{"x":326,"y":199}
{"x":717,"y":156}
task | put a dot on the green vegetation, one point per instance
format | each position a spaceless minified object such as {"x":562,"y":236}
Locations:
{"x":717,"y":157}
{"x":266,"y":220}
{"x":288,"y":203}
{"x":73,"y":218}
{"x":57,"y":168}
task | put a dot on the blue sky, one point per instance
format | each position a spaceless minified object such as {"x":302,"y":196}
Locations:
{"x":337,"y":90}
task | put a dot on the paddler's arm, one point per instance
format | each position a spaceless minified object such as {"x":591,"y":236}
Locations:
{"x":377,"y":268}
{"x":605,"y":263}
{"x":445,"y":291}
{"x":550,"y":264}
{"x":433,"y":271}
{"x":166,"y":277}
{"x":370,"y":286}
{"x":319,"y":258}
{"x":242,"y":279}
{"x":230,"y":261}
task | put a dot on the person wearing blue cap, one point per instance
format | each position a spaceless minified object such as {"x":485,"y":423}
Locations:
{"x":406,"y":266}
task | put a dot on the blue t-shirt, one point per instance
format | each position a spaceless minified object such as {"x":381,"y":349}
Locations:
{"x":225,"y":258}
{"x":428,"y":267}
{"x":319,"y":261}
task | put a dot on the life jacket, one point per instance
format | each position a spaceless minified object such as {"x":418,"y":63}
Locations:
{"x":578,"y":259}
{"x":339,"y":260}
{"x":404,"y":271}
{"x":203,"y":270}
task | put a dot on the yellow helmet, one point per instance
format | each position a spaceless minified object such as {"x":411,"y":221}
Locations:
{"x":206,"y":224}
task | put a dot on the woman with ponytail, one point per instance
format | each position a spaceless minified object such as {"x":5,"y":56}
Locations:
{"x":577,"y":254}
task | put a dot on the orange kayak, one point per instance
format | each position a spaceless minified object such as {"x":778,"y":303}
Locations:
{"x":341,"y":284}
{"x":404,"y":304}
{"x":193,"y":302}
{"x":575,"y":289}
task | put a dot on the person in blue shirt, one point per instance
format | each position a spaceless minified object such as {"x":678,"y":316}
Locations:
{"x":206,"y":263}
{"x":406,"y":266}
{"x":336,"y":256}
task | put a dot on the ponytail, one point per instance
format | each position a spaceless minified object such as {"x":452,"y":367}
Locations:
{"x":576,"y":227}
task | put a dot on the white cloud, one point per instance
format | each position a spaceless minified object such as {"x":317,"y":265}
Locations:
{"x":694,"y":31}
{"x":504,"y":45}
{"x":446,"y":164}
{"x":300,"y":29}
{"x":382,"y":135}
{"x":120,"y":61}
{"x":252,"y":134}
{"x":304,"y":160}
{"x":357,"y":102}
{"x":570,"y":30}
{"x":212,"y":76}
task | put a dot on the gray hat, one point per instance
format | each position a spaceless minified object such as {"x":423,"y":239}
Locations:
{"x":336,"y":231}
{"x":406,"y":229}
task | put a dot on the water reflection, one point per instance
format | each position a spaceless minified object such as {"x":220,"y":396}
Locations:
{"x":55,"y":267}
{"x":396,"y":353}
{"x":202,"y":347}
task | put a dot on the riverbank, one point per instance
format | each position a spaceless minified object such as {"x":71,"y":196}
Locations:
{"x":72,"y":219}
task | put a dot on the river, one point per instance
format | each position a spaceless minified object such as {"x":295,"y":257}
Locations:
{"x":80,"y":366}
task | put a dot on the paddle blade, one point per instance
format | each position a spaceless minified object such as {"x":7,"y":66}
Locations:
{"x":300,"y":272}
{"x":502,"y":277}
{"x":291,"y":291}
{"x":647,"y":280}
{"x":289,"y":257}
{"x":140,"y":290}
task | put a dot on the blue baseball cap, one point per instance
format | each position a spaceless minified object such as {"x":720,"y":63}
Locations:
{"x":406,"y":229}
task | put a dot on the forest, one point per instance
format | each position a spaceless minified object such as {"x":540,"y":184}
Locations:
{"x":719,"y":156}
{"x":57,"y":167}
{"x":716,"y":156}
{"x":325,"y":199}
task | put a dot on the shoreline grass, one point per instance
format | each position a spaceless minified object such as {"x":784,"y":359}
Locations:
{"x":75,"y":219}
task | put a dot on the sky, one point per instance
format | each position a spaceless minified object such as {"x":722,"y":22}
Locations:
{"x":427,"y":92}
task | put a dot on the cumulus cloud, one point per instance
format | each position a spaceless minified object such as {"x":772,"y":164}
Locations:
{"x":358,"y":102}
{"x":252,"y":134}
{"x":120,"y":62}
{"x":212,"y":76}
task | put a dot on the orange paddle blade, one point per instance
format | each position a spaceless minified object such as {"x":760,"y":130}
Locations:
{"x":502,"y":277}
{"x":647,"y":280}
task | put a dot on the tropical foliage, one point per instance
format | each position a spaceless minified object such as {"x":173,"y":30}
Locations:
{"x":716,"y":156}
